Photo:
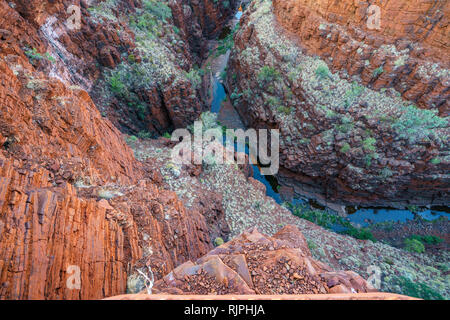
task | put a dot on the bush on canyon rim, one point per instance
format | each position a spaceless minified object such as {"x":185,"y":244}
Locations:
{"x":218,"y":242}
{"x":322,"y":72}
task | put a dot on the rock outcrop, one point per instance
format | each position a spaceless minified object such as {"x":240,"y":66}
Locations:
{"x":48,"y":233}
{"x":45,"y":229}
{"x":72,"y":193}
{"x":408,"y":44}
{"x":343,"y":139}
{"x":112,"y":54}
{"x":253,"y":263}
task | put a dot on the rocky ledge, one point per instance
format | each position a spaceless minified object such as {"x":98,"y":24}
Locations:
{"x":253,"y":263}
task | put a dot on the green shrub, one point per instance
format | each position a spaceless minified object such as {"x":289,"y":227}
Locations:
{"x":235,"y":95}
{"x":378,"y":71}
{"x":351,"y":95}
{"x":444,"y":267}
{"x":428,"y":239}
{"x":386,"y":173}
{"x":416,"y":289}
{"x":416,"y":124}
{"x":369,"y":144}
{"x":322,"y":72}
{"x":311,"y":245}
{"x":144,"y":135}
{"x":285,"y":110}
{"x":268,"y":74}
{"x":33,"y":55}
{"x":132,"y":139}
{"x":139,"y":107}
{"x":361,"y":234}
{"x":116,"y":84}
{"x":131,"y":58}
{"x":435,"y":161}
{"x":158,"y":8}
{"x":368,"y":159}
{"x":49,"y":57}
{"x":414,"y":245}
{"x":218,"y":242}
{"x":345,"y":148}
{"x":273,"y":101}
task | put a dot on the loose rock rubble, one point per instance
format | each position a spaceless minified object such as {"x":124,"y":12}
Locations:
{"x":253,"y":263}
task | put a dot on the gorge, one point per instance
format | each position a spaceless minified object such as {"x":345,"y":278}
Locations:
{"x":86,"y":174}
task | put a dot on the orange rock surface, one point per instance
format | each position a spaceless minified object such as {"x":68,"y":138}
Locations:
{"x":59,"y":157}
{"x":351,"y":296}
{"x":338,"y":32}
{"x":45,"y":229}
{"x":253,"y":263}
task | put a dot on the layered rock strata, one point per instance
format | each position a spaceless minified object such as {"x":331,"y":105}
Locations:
{"x":341,"y":139}
{"x":407,"y":44}
{"x":73,"y":197}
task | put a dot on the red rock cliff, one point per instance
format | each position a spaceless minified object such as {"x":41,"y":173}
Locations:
{"x":59,"y":156}
{"x":46,"y":229}
{"x":409,"y":44}
{"x":344,"y":99}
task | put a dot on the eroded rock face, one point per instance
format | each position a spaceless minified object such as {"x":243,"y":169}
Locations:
{"x":342,"y":139}
{"x":47,"y":230}
{"x":166,"y":90}
{"x":408,"y":46}
{"x":122,"y":37}
{"x":72,"y":193}
{"x":253,"y":263}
